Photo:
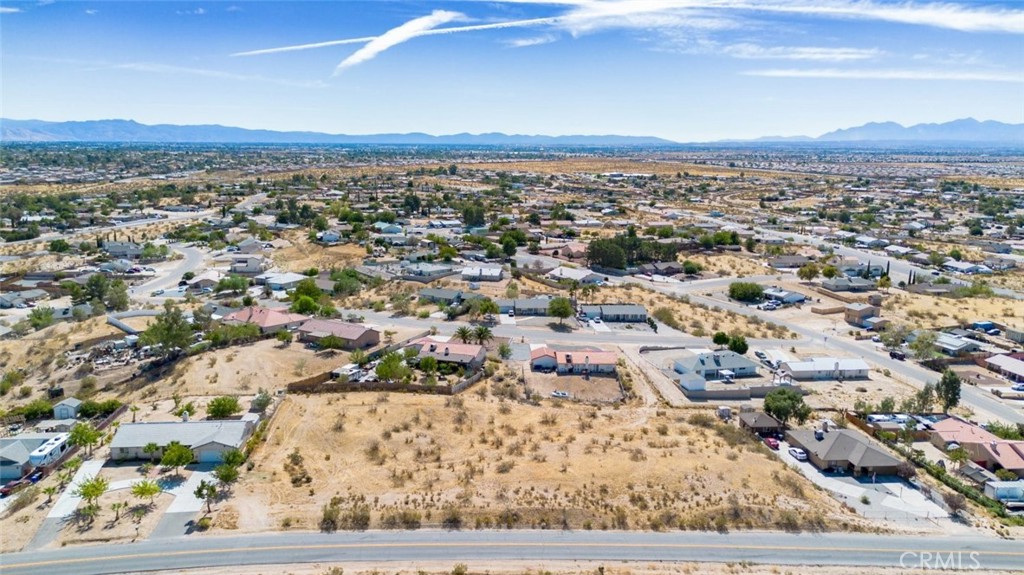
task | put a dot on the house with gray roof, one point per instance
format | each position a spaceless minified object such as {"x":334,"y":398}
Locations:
{"x":208,"y":440}
{"x":15,"y":451}
{"x":843,"y":450}
{"x":717,"y":364}
{"x":854,"y":284}
{"x":616,"y":312}
{"x":67,"y":408}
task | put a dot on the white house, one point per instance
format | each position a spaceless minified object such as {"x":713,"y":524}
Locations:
{"x":208,"y":440}
{"x":67,"y":408}
{"x":826,"y":368}
{"x":582,"y":275}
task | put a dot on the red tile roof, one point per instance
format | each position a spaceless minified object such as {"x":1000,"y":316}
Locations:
{"x":264,"y":317}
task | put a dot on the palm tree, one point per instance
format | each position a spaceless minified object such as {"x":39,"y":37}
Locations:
{"x":587,"y":292}
{"x":464,"y":333}
{"x":482,"y":335}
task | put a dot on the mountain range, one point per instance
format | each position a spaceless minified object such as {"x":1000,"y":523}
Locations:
{"x":967,"y":130}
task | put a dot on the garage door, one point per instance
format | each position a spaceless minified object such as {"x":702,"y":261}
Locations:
{"x":209,"y":456}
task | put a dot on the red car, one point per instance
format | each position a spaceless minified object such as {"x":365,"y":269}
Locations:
{"x":771,"y":442}
{"x":13,"y":487}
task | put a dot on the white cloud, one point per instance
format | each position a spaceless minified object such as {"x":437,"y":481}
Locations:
{"x":833,"y":73}
{"x":534,"y":41}
{"x":233,"y":9}
{"x":180,"y":70}
{"x":9,"y":10}
{"x":396,"y":36}
{"x":92,"y":12}
{"x":813,"y":53}
{"x":196,"y":12}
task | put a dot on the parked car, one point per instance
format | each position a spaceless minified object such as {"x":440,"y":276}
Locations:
{"x":511,"y":313}
{"x":157,"y":292}
{"x":36,"y":476}
{"x":798,"y":454}
{"x":14,"y":486}
{"x":760,"y":355}
{"x":1018,"y":387}
{"x":596,"y":320}
{"x":560,"y":394}
{"x":898,"y":355}
{"x":771,"y":442}
{"x":876,"y":339}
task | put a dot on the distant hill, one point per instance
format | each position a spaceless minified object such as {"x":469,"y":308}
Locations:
{"x":965,"y":130}
{"x":131,"y":131}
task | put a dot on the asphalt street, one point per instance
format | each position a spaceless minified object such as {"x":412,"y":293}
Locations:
{"x":382,"y":547}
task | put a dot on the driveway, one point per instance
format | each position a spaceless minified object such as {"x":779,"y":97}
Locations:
{"x":889,"y":498}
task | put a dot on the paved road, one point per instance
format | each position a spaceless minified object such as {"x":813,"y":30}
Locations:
{"x":199,"y":551}
{"x":167,"y":278}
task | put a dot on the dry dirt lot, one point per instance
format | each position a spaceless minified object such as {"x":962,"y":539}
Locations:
{"x":695,"y":319}
{"x":303,"y":254}
{"x":596,"y":388}
{"x":931,"y":312}
{"x":484,"y":461}
{"x":728,"y":265}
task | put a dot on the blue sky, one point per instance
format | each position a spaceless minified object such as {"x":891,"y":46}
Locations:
{"x":687,"y":70}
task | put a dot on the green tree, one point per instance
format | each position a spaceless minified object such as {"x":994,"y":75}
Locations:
{"x":948,"y":390}
{"x":959,"y":456}
{"x":464,"y":334}
{"x":92,"y":489}
{"x":41,"y":317}
{"x":924,"y":399}
{"x":151,"y":449}
{"x":504,"y":350}
{"x":885,"y":282}
{"x":83,"y":434}
{"x":808,"y":272}
{"x":96,"y":287}
{"x":59,"y":246}
{"x":923,"y":345}
{"x":738,"y":344}
{"x":359,"y":357}
{"x":170,"y":331}
{"x":936,"y":259}
{"x":176,"y":455}
{"x":304,"y":305}
{"x":720,"y":338}
{"x":147,"y":488}
{"x":606,"y":253}
{"x":786,"y":403}
{"x":392,"y":368}
{"x":226,"y":474}
{"x":284,"y":336}
{"x":428,"y":365}
{"x":307,"y":288}
{"x":482,"y":335}
{"x":207,"y":491}
{"x":829,"y":271}
{"x":692,"y":268}
{"x":233,"y":457}
{"x":509,"y":246}
{"x":561,"y":308}
{"x":117,"y":296}
{"x":222,"y":407}
{"x":745,"y":291}
{"x":233,"y":283}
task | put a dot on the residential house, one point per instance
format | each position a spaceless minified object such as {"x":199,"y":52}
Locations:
{"x":858,"y":313}
{"x":21,"y":298}
{"x":15,"y":453}
{"x":787,"y":262}
{"x":250,"y":246}
{"x":280,"y":281}
{"x":1006,"y":365}
{"x":543,"y":359}
{"x":268,"y":320}
{"x":632,"y":313}
{"x":483,"y":274}
{"x":999,"y":263}
{"x":440,"y":296}
{"x":818,"y":368}
{"x":207,"y":279}
{"x":983,"y":448}
{"x":208,"y":440}
{"x":948,"y":344}
{"x":575,"y":362}
{"x":662,"y":268}
{"x":524,"y":307}
{"x":967,"y":268}
{"x":581,"y":275}
{"x":67,"y":408}
{"x":354,"y":336}
{"x":784,"y":296}
{"x":760,"y":423}
{"x":852,"y":284}
{"x":247,"y":265}
{"x":843,"y":450}
{"x":387,"y":228}
{"x":870,"y":242}
{"x":126,"y":250}
{"x":463,"y":354}
{"x":331,"y":236}
{"x":720,"y":364}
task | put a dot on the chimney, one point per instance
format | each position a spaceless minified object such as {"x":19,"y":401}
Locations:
{"x":995,"y":447}
{"x":446,"y":351}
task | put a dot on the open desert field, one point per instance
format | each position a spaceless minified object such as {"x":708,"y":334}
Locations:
{"x":481,"y":460}
{"x":930,"y":311}
{"x":303,"y":254}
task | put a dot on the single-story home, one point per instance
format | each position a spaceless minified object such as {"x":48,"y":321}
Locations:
{"x":524,"y":306}
{"x":966,"y":267}
{"x":15,"y":452}
{"x":268,"y":320}
{"x":465,"y":354}
{"x":854,"y":284}
{"x":843,"y":450}
{"x":1006,"y":365}
{"x":783,"y":296}
{"x":247,"y":265}
{"x":129,"y":250}
{"x":949,"y":344}
{"x":585,"y":362}
{"x":710,"y":364}
{"x":440,"y":295}
{"x":355,"y":336}
{"x":826,"y":368}
{"x":760,"y":423}
{"x":786,"y":262}
{"x":482,"y":274}
{"x":280,"y":281}
{"x":581,"y":275}
{"x":615,"y":312}
{"x":208,"y":440}
{"x":983,"y":447}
